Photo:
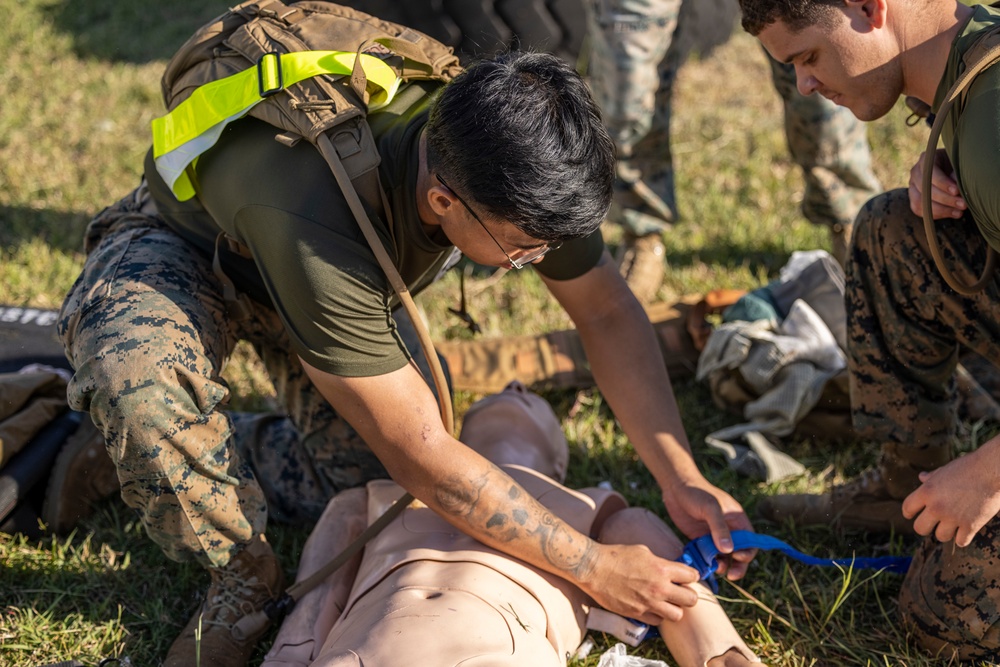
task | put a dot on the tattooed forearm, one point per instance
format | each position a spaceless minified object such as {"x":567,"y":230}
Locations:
{"x":459,"y":495}
{"x":515,"y":516}
{"x":561,"y":548}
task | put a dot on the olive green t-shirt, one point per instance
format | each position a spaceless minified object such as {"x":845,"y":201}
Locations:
{"x":971,"y":135}
{"x":309,"y":258}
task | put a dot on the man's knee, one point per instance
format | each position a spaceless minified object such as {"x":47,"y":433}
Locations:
{"x":882,"y":221}
{"x":950,"y":600}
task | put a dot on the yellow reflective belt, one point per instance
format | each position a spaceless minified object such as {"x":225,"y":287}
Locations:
{"x":197,"y":123}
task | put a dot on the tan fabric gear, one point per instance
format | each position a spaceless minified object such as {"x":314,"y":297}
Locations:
{"x":557,"y":359}
{"x":28,"y":402}
{"x":829,"y":418}
{"x":238,"y":39}
{"x":83,"y":475}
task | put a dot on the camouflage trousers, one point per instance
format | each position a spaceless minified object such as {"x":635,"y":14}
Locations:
{"x":633,"y":66}
{"x":631,"y":72}
{"x":905,"y":329}
{"x":950,"y":599}
{"x":146,"y":329}
{"x":831,"y":147}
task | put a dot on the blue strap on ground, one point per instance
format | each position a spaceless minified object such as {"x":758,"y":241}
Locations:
{"x":701,"y":554}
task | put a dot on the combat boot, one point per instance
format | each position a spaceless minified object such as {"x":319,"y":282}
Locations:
{"x":83,"y":475}
{"x":864,"y":503}
{"x":840,"y":242}
{"x":871,"y":502}
{"x":252,"y":578}
{"x":642,"y":264}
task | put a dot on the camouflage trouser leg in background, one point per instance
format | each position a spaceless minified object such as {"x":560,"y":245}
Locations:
{"x":905,"y":326}
{"x":831,"y":146}
{"x":631,"y":73}
{"x":145,"y":327}
{"x":633,"y":66}
{"x":950,"y":599}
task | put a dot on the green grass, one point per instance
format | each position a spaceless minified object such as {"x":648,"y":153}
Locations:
{"x":81,"y":83}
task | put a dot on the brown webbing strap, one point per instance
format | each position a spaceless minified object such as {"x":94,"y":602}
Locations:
{"x":326,"y":148}
{"x":300,"y":588}
{"x":963,"y":81}
{"x":252,"y":623}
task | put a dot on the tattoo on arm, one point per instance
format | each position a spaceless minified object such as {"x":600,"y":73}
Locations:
{"x":561,"y":548}
{"x":521,"y":517}
{"x":459,"y":495}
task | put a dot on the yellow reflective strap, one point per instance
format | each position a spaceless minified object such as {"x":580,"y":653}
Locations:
{"x":195,"y":125}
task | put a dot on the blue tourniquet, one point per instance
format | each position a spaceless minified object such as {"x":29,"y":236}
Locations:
{"x":701,"y":554}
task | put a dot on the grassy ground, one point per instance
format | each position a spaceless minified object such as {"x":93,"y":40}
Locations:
{"x":81,"y":83}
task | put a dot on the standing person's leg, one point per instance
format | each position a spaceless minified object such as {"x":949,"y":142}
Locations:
{"x":905,"y":328}
{"x":631,"y":75}
{"x":146,"y":330}
{"x":704,"y":635}
{"x":831,"y":146}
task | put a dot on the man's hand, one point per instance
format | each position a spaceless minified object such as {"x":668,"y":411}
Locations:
{"x":958,"y":499}
{"x":697,"y":508}
{"x":630,"y":580}
{"x":625,"y":357}
{"x":945,"y":197}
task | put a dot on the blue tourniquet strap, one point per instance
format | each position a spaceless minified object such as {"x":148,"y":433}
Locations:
{"x":701,"y":554}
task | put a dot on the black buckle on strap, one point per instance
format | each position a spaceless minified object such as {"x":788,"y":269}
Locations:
{"x":275,"y":69}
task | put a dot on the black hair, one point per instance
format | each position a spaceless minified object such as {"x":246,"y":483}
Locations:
{"x":521,"y":137}
{"x":796,"y":14}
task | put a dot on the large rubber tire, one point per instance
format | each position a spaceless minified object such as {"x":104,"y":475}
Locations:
{"x":480,"y":28}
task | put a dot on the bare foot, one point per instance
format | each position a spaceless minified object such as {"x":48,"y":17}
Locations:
{"x":732,"y":658}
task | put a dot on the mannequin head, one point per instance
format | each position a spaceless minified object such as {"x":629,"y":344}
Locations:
{"x":517,"y":426}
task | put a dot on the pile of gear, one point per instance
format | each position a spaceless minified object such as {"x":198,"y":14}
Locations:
{"x":53,"y":465}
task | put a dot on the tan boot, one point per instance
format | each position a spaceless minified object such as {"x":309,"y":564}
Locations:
{"x":642,"y":264}
{"x":873,"y":501}
{"x":252,"y":578}
{"x":863,"y":503}
{"x":840,"y":242}
{"x":82,"y":475}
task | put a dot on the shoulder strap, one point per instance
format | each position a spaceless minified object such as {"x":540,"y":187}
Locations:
{"x":276,"y":608}
{"x":398,"y":284}
{"x":283,"y":64}
{"x":984,"y":53}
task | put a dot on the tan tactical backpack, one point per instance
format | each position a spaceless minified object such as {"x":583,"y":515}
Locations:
{"x":262,"y":35}
{"x":314,"y":70}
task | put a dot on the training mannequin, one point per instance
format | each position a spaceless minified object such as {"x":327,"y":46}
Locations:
{"x":423,"y":593}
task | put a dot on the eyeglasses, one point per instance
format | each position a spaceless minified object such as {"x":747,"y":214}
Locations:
{"x":529,"y":257}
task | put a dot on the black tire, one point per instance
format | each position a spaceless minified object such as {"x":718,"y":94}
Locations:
{"x":480,"y":28}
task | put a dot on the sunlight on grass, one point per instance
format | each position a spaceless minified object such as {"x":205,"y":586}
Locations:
{"x":76,"y":145}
